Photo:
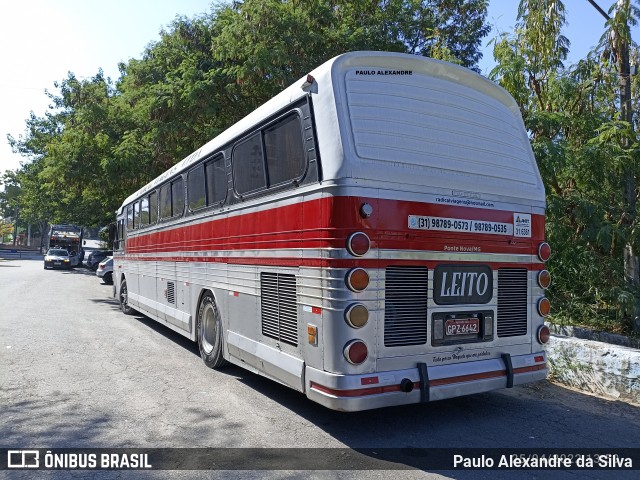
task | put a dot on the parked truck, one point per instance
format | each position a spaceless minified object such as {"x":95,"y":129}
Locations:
{"x":68,"y":237}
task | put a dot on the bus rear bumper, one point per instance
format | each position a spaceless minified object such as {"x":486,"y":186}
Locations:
{"x":422,"y":383}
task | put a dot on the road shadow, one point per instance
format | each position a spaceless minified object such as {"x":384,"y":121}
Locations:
{"x":82,"y":271}
{"x":169,"y":334}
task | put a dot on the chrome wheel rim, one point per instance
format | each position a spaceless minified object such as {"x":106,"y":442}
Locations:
{"x":208,"y":328}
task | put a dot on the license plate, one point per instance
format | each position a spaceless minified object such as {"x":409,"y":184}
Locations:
{"x":462,"y":326}
{"x":56,"y":263}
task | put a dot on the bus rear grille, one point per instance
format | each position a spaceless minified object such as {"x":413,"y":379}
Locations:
{"x":405,"y":306}
{"x":512,"y":302}
{"x":279,"y":307}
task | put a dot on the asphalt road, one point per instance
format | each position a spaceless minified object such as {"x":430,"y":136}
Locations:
{"x":77,"y":373}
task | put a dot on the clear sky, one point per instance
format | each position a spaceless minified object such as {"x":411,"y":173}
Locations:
{"x":42,"y":40}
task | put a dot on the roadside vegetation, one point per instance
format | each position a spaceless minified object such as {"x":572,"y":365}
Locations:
{"x":103,"y":138}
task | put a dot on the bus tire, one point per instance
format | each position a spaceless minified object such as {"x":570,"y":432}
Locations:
{"x":123,"y":298}
{"x":209,"y":331}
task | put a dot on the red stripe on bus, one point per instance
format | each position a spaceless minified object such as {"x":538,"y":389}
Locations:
{"x":359,"y":392}
{"x":327,"y":222}
{"x":484,"y":375}
{"x":322,"y":263}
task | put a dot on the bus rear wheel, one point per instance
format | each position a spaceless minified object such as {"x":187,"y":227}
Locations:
{"x":123,"y":298}
{"x":209,"y":329}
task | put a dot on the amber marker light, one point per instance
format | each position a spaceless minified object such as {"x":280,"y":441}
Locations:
{"x":312,"y":333}
{"x":356,"y":352}
{"x":357,"y":315}
{"x":544,"y":306}
{"x":544,"y":279}
{"x":358,"y":244}
{"x":357,"y":279}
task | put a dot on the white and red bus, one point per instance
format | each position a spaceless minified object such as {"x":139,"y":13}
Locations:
{"x":371,"y":236}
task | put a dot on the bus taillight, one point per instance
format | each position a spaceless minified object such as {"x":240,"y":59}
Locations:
{"x":356,"y":352}
{"x":357,"y":315}
{"x":358,"y":244}
{"x":544,"y":251}
{"x":543,"y":334}
{"x":357,"y":279}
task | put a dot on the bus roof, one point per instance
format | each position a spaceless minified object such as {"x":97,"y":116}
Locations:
{"x":328,"y":74}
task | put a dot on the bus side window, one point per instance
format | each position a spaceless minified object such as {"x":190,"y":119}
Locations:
{"x":248,"y":165}
{"x":284,"y":150}
{"x":130,"y":217}
{"x":121,"y":234}
{"x":165,"y":201}
{"x":144,"y":212}
{"x":153,"y":208}
{"x":196,"y":188}
{"x":177,"y":197}
{"x":136,"y":215}
{"x":216,"y":181}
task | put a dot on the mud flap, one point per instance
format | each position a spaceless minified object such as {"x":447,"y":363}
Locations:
{"x":506,"y":358}
{"x":424,"y":382}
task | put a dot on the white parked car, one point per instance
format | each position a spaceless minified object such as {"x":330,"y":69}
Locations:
{"x":57,"y":258}
{"x":105,"y":270}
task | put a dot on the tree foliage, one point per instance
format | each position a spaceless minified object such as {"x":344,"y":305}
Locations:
{"x":101,"y":141}
{"x":584,"y":151}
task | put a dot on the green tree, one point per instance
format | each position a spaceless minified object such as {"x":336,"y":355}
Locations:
{"x":577,"y":137}
{"x":263,"y":46}
{"x":175,"y":97}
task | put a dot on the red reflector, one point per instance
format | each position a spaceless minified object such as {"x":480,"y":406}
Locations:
{"x":316,"y":310}
{"x":356,"y":352}
{"x":538,"y":358}
{"x":544,"y":251}
{"x":358,"y":244}
{"x":544,"y":334}
{"x":369,"y":381}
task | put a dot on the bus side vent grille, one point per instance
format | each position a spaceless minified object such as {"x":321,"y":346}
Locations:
{"x":512,"y":302}
{"x":279,"y":307}
{"x":405,"y":306}
{"x":171,"y":292}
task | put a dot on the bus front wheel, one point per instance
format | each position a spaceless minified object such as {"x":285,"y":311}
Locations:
{"x":123,"y":297}
{"x":209,"y":328}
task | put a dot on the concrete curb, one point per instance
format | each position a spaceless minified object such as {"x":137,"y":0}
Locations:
{"x":603,"y":369}
{"x":587,"y":334}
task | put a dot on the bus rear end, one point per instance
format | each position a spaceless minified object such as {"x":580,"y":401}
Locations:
{"x":434,"y":209}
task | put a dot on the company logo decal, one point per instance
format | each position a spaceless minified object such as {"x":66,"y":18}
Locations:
{"x":462,"y":284}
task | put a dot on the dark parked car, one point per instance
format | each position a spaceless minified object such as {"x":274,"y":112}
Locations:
{"x":96,"y":257}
